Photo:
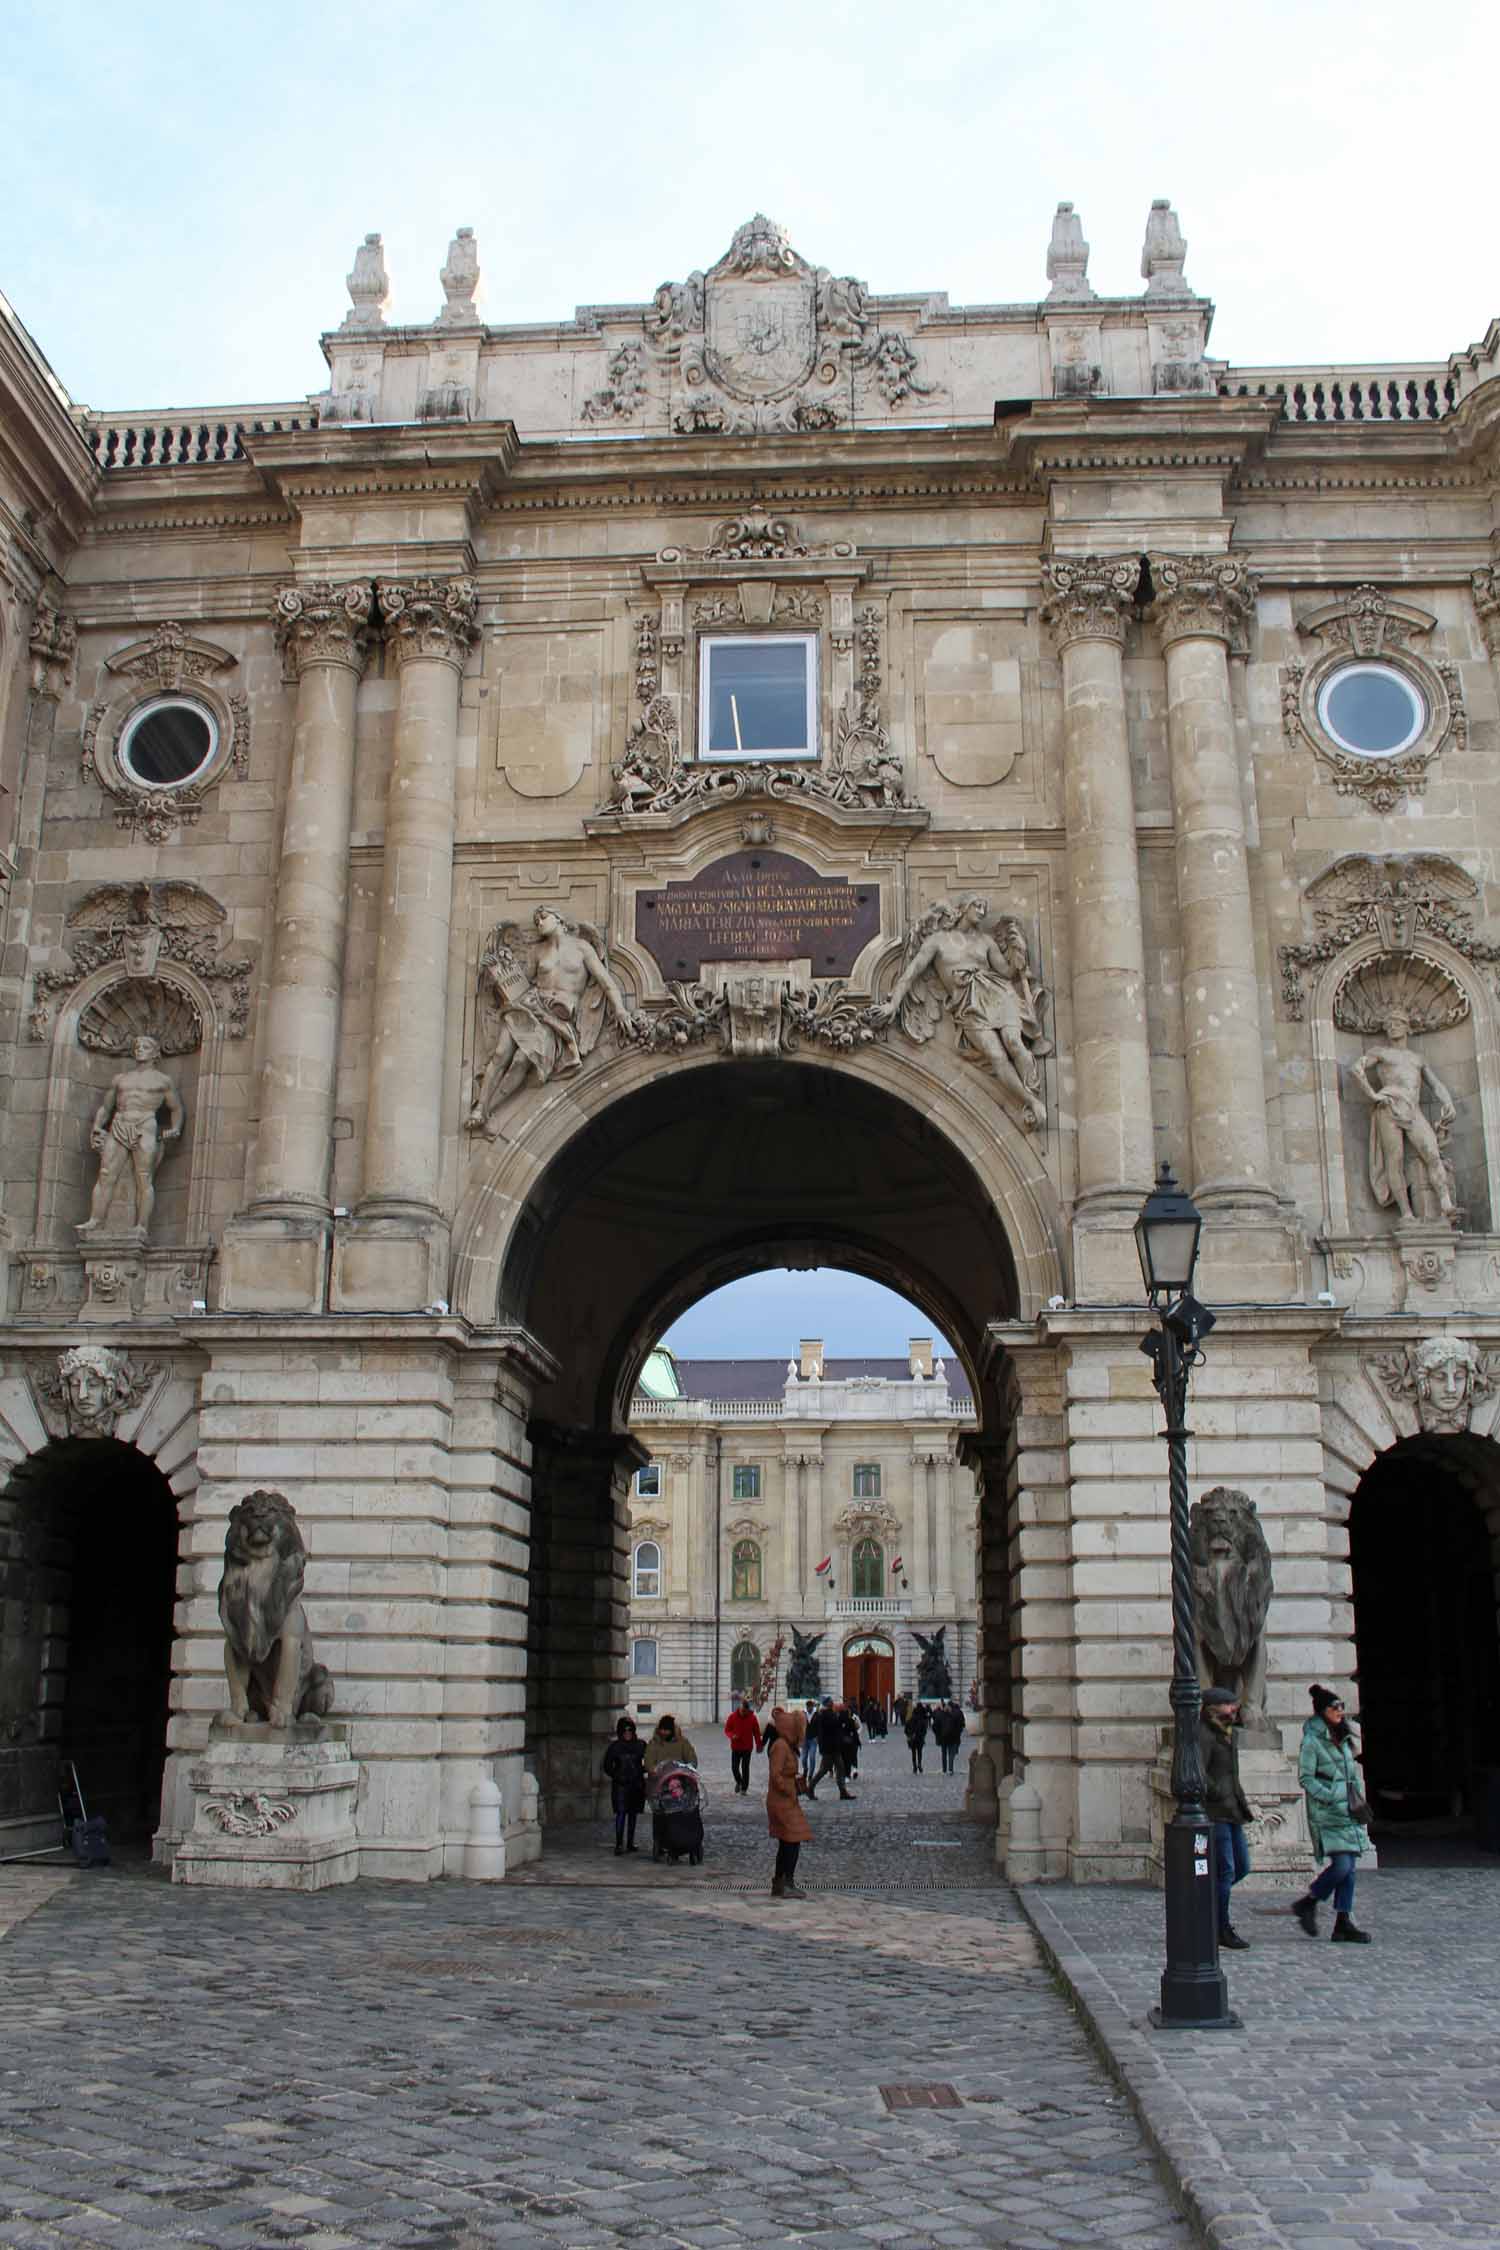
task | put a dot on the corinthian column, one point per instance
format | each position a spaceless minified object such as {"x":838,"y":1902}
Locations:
{"x":1200,"y":601}
{"x":322,"y":630}
{"x":430,"y":628}
{"x":1086,"y":610}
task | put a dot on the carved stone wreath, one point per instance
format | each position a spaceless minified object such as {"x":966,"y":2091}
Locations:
{"x":171,"y":662}
{"x":1367,"y":625}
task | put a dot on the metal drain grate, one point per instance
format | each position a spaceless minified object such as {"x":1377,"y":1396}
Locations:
{"x":921,"y":2097}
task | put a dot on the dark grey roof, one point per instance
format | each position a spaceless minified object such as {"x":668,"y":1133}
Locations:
{"x":766,"y":1378}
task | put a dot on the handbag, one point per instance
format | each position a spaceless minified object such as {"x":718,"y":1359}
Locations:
{"x":1359,"y":1811}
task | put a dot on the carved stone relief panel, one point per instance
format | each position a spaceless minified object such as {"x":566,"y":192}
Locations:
{"x":1369,"y":644}
{"x":1441,"y":1379}
{"x":172,"y":681}
{"x":975,"y":677}
{"x":543,"y":692}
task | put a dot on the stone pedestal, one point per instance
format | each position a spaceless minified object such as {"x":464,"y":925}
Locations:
{"x":273,"y":1809}
{"x":1281,"y":1857}
{"x":114,"y":1267}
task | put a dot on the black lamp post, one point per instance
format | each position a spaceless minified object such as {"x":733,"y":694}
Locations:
{"x":1194,"y":1996}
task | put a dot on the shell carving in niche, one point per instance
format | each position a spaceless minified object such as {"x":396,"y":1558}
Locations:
{"x":1423,"y":991}
{"x":137,"y":1008}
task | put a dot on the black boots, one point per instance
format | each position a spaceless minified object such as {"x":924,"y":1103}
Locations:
{"x":1230,"y":1940}
{"x":1306,"y":1911}
{"x":1346,"y":1931}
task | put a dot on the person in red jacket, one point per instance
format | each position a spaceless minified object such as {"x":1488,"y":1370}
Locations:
{"x":743,"y":1730}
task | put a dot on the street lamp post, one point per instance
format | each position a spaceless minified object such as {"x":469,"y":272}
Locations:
{"x":1194,"y":1995}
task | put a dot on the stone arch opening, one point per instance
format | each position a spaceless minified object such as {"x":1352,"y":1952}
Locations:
{"x":692,"y":1180}
{"x":1424,"y":1543}
{"x":88,"y":1528}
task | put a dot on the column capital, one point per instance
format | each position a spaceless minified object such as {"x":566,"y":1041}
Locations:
{"x":429,"y":619}
{"x":1200,"y":597}
{"x":1486,"y":586}
{"x":1090,"y":597}
{"x":323,"y":621}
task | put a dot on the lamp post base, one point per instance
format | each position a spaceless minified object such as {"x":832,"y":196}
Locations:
{"x":1194,"y":1994}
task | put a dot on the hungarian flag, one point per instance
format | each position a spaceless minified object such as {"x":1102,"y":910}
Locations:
{"x":897,"y":1567}
{"x":824,"y":1567}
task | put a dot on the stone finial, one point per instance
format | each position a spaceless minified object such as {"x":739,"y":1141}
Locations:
{"x":1164,"y":253}
{"x":368,"y":285}
{"x":460,"y":280}
{"x":1067,"y":259}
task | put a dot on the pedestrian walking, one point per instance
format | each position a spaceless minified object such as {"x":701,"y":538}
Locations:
{"x":1225,"y":1802}
{"x":1336,"y":1815}
{"x":915,"y":1730}
{"x":836,"y":1736}
{"x":809,"y":1751}
{"x":625,"y":1771}
{"x":669,"y":1745}
{"x":743,"y":1730}
{"x":787,"y":1821}
{"x":948,"y":1733}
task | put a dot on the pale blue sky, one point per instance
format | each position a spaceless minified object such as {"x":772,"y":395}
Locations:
{"x":767,"y":1315}
{"x":184,"y":188}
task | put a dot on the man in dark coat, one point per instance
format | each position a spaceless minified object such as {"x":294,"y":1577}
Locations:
{"x":917,"y":1723}
{"x":948,"y":1732}
{"x":834,"y":1729}
{"x":1225,"y":1802}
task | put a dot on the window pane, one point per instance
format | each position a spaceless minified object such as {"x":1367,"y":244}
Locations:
{"x":643,"y":1660}
{"x":745,"y":1572}
{"x":747,"y":1483}
{"x":169,"y":744}
{"x":757,"y":697}
{"x":744,"y":1668}
{"x":867,"y":1481}
{"x":1370,"y":708}
{"x":648,"y":1481}
{"x":869,"y":1568}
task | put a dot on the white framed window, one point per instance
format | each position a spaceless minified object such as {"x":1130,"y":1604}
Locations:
{"x":648,"y":1481}
{"x":867,"y":1480}
{"x":757,"y":695}
{"x":747,"y":1480}
{"x":168,"y":742}
{"x":645,"y":1571}
{"x":1371,"y":709}
{"x":643,"y":1660}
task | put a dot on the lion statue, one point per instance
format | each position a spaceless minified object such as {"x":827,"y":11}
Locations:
{"x":268,"y":1651}
{"x":1232,"y":1582}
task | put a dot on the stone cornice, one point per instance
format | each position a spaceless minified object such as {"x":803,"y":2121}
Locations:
{"x":342,"y":461}
{"x":1094,"y":436}
{"x":41,"y":446}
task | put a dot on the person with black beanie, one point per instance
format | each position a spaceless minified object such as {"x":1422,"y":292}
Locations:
{"x":1336,"y":1815}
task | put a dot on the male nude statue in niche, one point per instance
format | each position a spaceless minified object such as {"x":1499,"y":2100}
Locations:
{"x":1391,"y":1078}
{"x":127,"y":1138}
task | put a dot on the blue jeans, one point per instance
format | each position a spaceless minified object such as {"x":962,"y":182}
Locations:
{"x":1338,"y":1877}
{"x":1231,"y":1862}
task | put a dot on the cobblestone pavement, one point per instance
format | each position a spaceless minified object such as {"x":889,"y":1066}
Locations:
{"x":469,"y":2065}
{"x":1360,"y":2104}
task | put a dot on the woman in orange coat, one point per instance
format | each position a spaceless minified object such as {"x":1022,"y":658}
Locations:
{"x":788,"y":1822}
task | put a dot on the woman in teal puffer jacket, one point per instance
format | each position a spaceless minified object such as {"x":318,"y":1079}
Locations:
{"x":1330,"y":1782}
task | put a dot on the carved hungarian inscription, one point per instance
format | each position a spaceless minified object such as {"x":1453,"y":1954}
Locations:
{"x":758,"y":906}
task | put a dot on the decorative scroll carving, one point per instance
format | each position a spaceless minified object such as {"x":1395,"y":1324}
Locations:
{"x":983,"y":980}
{"x":755,"y":538}
{"x":1397,"y":896}
{"x":1442,"y":1376}
{"x":139,"y":924}
{"x":1200,"y":595}
{"x":429,"y":618}
{"x":90,"y":1390}
{"x":765,"y":341}
{"x":324,"y":622}
{"x":865,"y":770}
{"x":1486,"y":586}
{"x":248,"y":1812}
{"x":868,"y":1519}
{"x":550,"y":989}
{"x":1369,"y":625}
{"x":171,"y":662}
{"x":625,"y":388}
{"x":1090,"y":598}
{"x":53,"y":643}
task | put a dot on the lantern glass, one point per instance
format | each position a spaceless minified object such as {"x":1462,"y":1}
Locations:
{"x":1166,"y":1238}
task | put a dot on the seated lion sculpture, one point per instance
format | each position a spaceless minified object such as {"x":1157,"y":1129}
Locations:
{"x":268,"y":1651}
{"x":1232,"y":1583}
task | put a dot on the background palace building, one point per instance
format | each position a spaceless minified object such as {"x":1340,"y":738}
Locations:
{"x":776,"y":774}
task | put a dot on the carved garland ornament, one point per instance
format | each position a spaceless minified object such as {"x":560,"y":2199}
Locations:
{"x":1368,"y":626}
{"x":137,"y":925}
{"x":1398,"y":897}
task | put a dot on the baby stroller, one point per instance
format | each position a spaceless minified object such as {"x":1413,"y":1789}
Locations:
{"x":676,"y":1798}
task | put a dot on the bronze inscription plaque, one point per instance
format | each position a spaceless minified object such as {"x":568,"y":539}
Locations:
{"x":758,"y":906}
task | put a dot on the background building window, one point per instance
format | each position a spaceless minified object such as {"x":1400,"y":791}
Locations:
{"x":648,"y":1481}
{"x":646,"y":1576}
{"x":869,"y":1567}
{"x":758,"y":695}
{"x":643,"y":1660}
{"x":747,"y":1481}
{"x":744,"y":1668}
{"x":744,"y":1575}
{"x":867,"y":1480}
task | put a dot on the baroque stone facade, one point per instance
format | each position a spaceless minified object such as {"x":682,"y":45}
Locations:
{"x":820,"y":1498}
{"x":768,"y":773}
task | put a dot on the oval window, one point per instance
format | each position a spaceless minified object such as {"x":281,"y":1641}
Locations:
{"x":168,"y":742}
{"x":1371,"y":709}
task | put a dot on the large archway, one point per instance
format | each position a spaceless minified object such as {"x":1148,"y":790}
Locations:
{"x":1424,"y":1532}
{"x":690,"y":1180}
{"x":86,"y":1647}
